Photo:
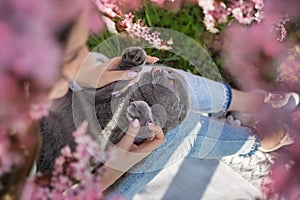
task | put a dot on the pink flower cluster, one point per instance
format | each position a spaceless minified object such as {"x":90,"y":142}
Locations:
{"x":139,"y":30}
{"x":8,"y":158}
{"x":285,"y":172}
{"x":289,"y":71}
{"x":279,"y":27}
{"x":249,"y":52}
{"x":244,"y":11}
{"x":117,"y":22}
{"x":72,"y":177}
{"x":108,"y":8}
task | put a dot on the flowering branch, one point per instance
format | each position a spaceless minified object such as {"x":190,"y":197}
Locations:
{"x":72,"y":177}
{"x":118,"y":22}
{"x":244,"y":11}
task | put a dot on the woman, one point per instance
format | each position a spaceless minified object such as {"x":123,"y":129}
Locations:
{"x":238,"y":101}
{"x":75,"y":52}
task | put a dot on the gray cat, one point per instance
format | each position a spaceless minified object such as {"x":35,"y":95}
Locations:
{"x":160,"y":98}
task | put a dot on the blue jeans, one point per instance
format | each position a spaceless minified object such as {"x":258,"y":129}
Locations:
{"x":197,"y":136}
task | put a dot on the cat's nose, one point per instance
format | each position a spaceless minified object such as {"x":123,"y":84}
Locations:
{"x":156,"y":69}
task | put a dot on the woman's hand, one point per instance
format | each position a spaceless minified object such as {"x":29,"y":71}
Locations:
{"x":127,"y":142}
{"x":128,"y":154}
{"x":104,"y":74}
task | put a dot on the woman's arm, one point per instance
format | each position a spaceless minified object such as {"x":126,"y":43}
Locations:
{"x":128,"y":154}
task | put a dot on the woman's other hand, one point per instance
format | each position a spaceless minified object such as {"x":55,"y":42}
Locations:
{"x":146,"y":147}
{"x":128,"y":154}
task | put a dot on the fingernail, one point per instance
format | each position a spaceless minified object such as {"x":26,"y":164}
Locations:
{"x":114,"y":93}
{"x":117,"y":95}
{"x":131,"y":84}
{"x":131,"y":74}
{"x":135,"y":123}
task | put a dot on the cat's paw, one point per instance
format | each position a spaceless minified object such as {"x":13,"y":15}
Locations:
{"x":139,"y":110}
{"x":133,"y":58}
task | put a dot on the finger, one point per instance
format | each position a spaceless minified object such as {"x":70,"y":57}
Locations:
{"x":157,"y":131}
{"x":151,"y":59}
{"x":152,"y":137}
{"x":89,"y":76}
{"x":149,"y":145}
{"x":113,"y":63}
{"x":128,"y":139}
{"x":124,"y":89}
{"x":111,"y":76}
{"x":134,"y":147}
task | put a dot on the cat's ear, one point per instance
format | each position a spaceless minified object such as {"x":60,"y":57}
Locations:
{"x":159,"y":114}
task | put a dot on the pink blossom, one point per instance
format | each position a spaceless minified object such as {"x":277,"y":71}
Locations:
{"x":72,"y":177}
{"x":39,"y":110}
{"x":8,"y":157}
{"x":66,"y":152}
{"x":107,"y":7}
{"x":31,"y":191}
{"x":139,"y":30}
{"x":217,"y":12}
{"x":128,"y":7}
{"x":279,"y":26}
{"x":243,"y":11}
{"x":250,"y":50}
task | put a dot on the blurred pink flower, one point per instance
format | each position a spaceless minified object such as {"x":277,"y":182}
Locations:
{"x":8,"y":157}
{"x":243,"y":11}
{"x":30,"y":58}
{"x":250,"y":52}
{"x":289,"y":72}
{"x":107,"y":7}
{"x":32,"y":191}
{"x":96,"y":22}
{"x":281,"y":8}
{"x":39,"y":110}
{"x":129,"y":7}
{"x":158,"y":2}
{"x":72,"y":177}
{"x":285,"y":174}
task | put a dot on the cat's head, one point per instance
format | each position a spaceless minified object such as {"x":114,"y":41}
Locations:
{"x":159,"y":97}
{"x":165,"y":91}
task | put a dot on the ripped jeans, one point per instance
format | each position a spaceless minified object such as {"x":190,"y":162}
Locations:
{"x":197,"y":136}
